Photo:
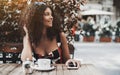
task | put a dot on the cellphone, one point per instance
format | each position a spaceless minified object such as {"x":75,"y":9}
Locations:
{"x":72,"y":66}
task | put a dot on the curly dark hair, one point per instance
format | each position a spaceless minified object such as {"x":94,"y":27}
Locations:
{"x":32,"y":17}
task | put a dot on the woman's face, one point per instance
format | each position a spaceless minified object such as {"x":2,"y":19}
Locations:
{"x":47,"y":18}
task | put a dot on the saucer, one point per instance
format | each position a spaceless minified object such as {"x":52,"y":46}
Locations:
{"x":43,"y":69}
{"x":72,"y":68}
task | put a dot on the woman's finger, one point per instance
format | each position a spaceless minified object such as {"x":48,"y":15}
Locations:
{"x":25,"y":29}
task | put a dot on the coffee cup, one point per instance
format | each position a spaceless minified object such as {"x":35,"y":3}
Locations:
{"x":44,"y":63}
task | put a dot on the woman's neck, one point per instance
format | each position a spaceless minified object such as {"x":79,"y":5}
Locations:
{"x":44,"y":31}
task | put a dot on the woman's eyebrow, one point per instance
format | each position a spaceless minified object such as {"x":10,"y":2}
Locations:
{"x":48,"y":13}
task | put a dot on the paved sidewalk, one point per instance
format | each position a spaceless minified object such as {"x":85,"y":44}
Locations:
{"x":105,"y":56}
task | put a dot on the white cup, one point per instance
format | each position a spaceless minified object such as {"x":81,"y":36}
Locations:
{"x":44,"y":63}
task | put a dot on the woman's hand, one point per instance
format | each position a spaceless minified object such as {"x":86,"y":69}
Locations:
{"x":71,"y":63}
{"x":25,"y":29}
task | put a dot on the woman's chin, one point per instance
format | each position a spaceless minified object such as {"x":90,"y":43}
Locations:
{"x":50,"y":26}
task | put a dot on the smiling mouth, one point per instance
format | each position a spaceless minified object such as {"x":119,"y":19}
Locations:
{"x":50,"y":21}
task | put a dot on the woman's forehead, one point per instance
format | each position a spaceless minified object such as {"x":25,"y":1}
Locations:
{"x":48,"y":10}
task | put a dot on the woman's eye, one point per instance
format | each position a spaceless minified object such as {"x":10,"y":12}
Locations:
{"x":46,"y":14}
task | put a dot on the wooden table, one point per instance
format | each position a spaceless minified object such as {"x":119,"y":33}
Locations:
{"x":16,"y":69}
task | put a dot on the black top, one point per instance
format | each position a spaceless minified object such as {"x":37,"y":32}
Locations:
{"x":54,"y":56}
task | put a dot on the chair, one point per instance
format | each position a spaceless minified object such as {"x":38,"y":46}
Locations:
{"x":11,"y":52}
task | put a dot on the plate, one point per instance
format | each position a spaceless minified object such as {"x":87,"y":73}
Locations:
{"x":43,"y":69}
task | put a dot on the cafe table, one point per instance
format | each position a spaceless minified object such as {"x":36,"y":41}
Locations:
{"x":60,"y":69}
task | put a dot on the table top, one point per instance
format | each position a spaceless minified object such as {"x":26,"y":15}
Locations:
{"x":61,"y":69}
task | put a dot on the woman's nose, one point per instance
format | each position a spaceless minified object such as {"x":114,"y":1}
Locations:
{"x":51,"y":17}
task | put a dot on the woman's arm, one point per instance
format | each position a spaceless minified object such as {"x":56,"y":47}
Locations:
{"x":27,"y":48}
{"x":66,"y":54}
{"x":65,"y":49}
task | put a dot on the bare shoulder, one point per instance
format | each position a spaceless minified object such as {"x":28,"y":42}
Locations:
{"x":62,"y":35}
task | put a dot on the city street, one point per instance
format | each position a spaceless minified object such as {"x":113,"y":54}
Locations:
{"x":104,"y":56}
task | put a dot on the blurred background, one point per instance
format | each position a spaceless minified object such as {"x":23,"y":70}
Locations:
{"x":100,"y":21}
{"x":82,"y":20}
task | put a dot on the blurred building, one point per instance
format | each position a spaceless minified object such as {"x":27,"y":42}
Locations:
{"x":105,"y":5}
{"x":116,"y":4}
{"x":100,"y":4}
{"x":108,"y":5}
